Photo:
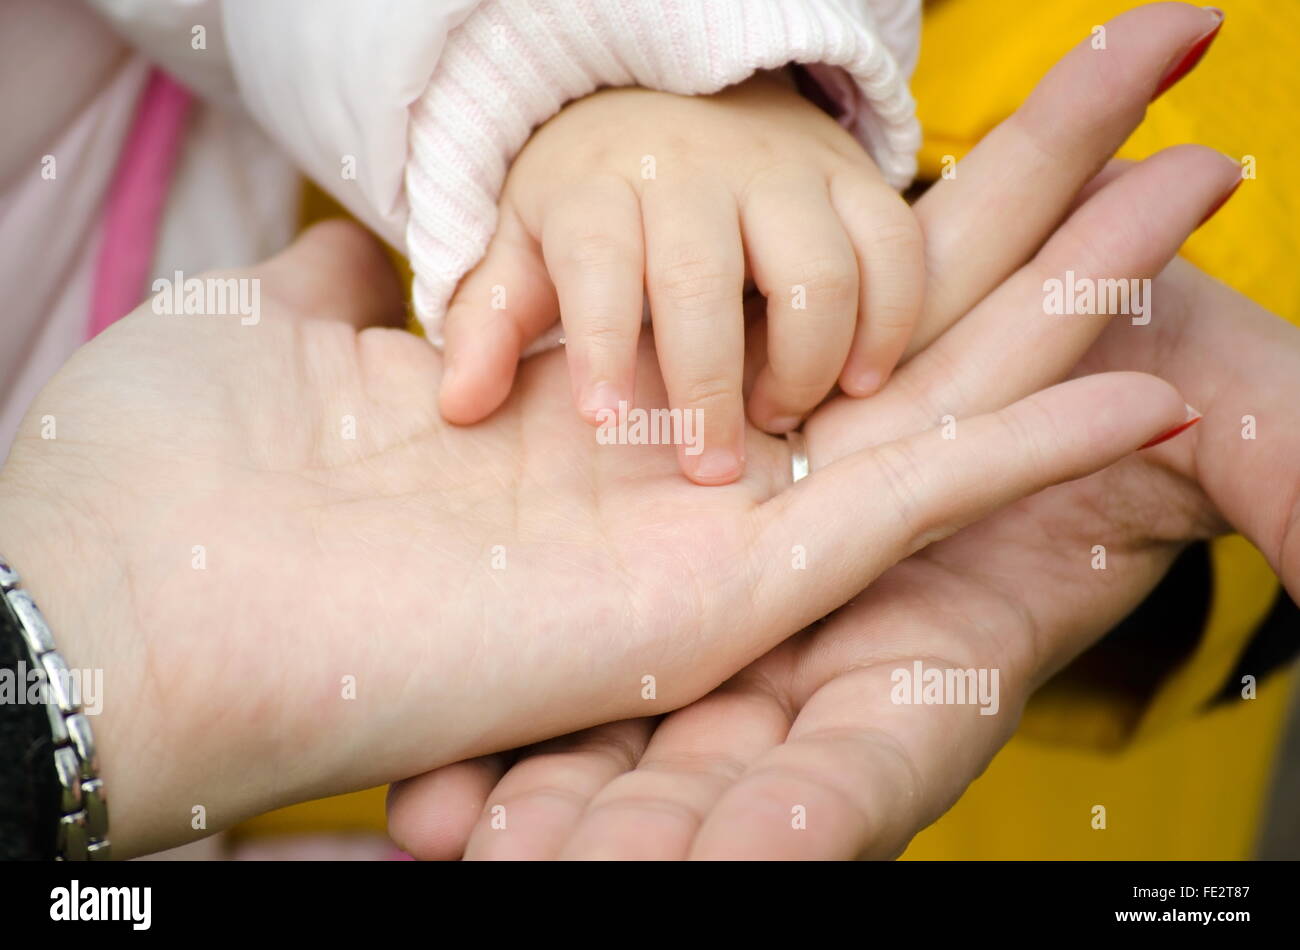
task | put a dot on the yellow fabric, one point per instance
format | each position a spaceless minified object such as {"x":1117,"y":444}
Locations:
{"x":360,"y":811}
{"x":1192,"y":793}
{"x":1183,"y":783}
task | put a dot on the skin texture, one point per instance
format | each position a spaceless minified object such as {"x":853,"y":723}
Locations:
{"x":754,"y":181}
{"x":282,"y":611}
{"x":242,"y":525}
{"x":812,"y":724}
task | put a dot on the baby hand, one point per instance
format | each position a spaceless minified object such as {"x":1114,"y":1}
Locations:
{"x":688,"y":197}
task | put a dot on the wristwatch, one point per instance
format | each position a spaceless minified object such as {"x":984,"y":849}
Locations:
{"x":76,"y":794}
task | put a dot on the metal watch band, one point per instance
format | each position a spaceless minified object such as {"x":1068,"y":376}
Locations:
{"x":83,"y":827}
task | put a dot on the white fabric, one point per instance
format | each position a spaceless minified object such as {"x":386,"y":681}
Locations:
{"x":426,"y":101}
{"x":409,"y":112}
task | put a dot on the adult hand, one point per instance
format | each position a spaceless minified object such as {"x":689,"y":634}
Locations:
{"x":298,"y":580}
{"x":812,"y":723}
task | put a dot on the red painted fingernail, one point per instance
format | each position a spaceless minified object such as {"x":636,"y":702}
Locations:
{"x":1221,"y":202}
{"x":1193,"y":417}
{"x":1187,"y":62}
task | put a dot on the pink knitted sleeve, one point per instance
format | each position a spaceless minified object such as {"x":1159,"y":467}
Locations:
{"x":514,"y":63}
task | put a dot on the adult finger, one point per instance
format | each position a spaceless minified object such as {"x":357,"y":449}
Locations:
{"x":533,"y":809}
{"x":1027,"y":333}
{"x":653,"y":811}
{"x":430,"y":816}
{"x":1013,"y":188}
{"x":811,"y":552}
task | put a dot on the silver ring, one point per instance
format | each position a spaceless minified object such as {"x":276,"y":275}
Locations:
{"x":798,"y":454}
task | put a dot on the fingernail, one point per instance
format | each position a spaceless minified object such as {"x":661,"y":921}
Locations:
{"x":783,"y":424}
{"x":1221,"y":202}
{"x":864,"y":383}
{"x":717,"y":466}
{"x":1193,"y":417}
{"x":1187,"y":62}
{"x":599,"y":396}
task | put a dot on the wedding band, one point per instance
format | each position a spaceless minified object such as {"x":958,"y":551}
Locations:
{"x":798,"y":454}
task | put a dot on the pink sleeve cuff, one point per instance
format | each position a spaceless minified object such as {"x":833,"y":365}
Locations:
{"x":515,"y":63}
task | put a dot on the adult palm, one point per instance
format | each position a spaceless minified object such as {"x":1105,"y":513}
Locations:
{"x":298,"y":580}
{"x":811,"y":727}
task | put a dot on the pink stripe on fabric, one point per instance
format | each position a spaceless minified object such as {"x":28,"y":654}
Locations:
{"x":136,"y":196}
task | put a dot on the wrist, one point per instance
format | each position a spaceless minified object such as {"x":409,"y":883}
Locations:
{"x":52,"y":556}
{"x":147,"y":745}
